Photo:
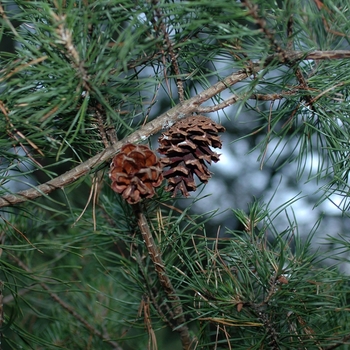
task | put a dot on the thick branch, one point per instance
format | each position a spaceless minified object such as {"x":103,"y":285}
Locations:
{"x":163,"y":121}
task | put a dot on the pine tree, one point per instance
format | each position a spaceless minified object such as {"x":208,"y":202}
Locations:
{"x":111,"y":113}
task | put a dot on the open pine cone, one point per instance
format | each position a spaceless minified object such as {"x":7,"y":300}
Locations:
{"x":186,"y":146}
{"x":135,"y":172}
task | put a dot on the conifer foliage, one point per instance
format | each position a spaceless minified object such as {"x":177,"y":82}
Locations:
{"x":111,"y":112}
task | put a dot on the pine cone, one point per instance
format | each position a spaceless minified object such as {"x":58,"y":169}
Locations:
{"x":135,"y":172}
{"x":186,"y":146}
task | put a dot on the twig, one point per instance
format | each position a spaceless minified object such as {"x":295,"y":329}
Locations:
{"x":324,"y":92}
{"x":101,"y":128}
{"x":21,"y":67}
{"x":170,"y":47}
{"x":20,"y":136}
{"x":235,"y":98}
{"x":268,"y":137}
{"x":317,"y":55}
{"x":283,"y":54}
{"x":309,"y":332}
{"x":93,"y":190}
{"x":342,"y":342}
{"x":273,"y":344}
{"x":67,"y":307}
{"x":253,"y":11}
{"x":164,"y":279}
{"x":109,"y":137}
{"x":15,"y":229}
{"x":8,"y":22}
{"x":65,"y":38}
{"x":290,"y":32}
{"x":320,"y":5}
{"x":209,"y":109}
{"x":144,"y":307}
{"x":152,"y":292}
{"x":168,"y":118}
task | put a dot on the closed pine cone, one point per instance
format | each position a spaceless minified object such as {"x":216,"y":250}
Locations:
{"x":186,"y":146}
{"x":135,"y":172}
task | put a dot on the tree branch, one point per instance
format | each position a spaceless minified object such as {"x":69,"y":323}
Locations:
{"x":163,"y":121}
{"x":159,"y":266}
{"x":68,"y":308}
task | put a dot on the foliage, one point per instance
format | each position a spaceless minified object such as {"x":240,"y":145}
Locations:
{"x":85,"y":77}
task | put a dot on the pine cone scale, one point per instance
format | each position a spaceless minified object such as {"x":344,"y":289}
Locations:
{"x":135,"y":173}
{"x":186,"y":147}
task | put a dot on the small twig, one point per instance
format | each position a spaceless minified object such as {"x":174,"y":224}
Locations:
{"x":235,"y":98}
{"x":283,"y":54}
{"x":314,"y":99}
{"x":93,"y":190}
{"x":101,"y":128}
{"x":20,"y":233}
{"x":19,"y":136}
{"x":152,"y":293}
{"x":273,"y":344}
{"x":340,"y":343}
{"x":67,"y":307}
{"x":320,"y":5}
{"x":230,"y":101}
{"x":65,"y":38}
{"x":21,"y":67}
{"x":151,"y":104}
{"x":145,"y":309}
{"x":268,"y":137}
{"x":8,"y":22}
{"x":309,"y":332}
{"x":172,"y":55}
{"x":290,"y":32}
{"x":10,"y":298}
{"x":272,"y":97}
{"x":253,"y":11}
{"x":164,"y":279}
{"x":268,"y":325}
{"x":109,"y":137}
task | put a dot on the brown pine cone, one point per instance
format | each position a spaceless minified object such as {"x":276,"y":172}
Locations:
{"x":135,"y":172}
{"x":186,"y":146}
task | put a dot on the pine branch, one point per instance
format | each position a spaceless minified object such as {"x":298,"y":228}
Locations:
{"x":344,"y":341}
{"x":261,"y":23}
{"x":163,"y":121}
{"x":170,"y":47}
{"x":69,"y":308}
{"x":164,"y":280}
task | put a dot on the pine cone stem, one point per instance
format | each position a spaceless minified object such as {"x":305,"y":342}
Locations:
{"x":156,"y":257}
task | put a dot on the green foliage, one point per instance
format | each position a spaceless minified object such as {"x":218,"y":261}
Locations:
{"x":256,"y":287}
{"x":75,"y":272}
